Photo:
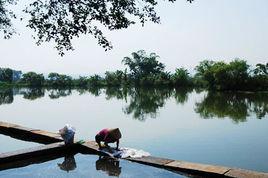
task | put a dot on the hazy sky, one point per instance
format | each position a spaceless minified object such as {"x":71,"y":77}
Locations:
{"x":188,"y":33}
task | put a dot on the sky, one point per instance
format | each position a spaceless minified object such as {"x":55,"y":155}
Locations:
{"x":188,"y":33}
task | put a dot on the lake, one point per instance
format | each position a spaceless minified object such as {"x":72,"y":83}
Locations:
{"x":221,"y":128}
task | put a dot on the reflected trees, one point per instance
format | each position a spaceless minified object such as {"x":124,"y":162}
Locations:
{"x":6,"y":96}
{"x":33,"y":93}
{"x":57,"y":93}
{"x":146,"y":102}
{"x":143,"y":102}
{"x":181,"y":94}
{"x":237,"y":106}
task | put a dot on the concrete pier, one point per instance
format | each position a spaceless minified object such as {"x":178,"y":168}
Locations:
{"x":55,"y":147}
{"x":29,"y":134}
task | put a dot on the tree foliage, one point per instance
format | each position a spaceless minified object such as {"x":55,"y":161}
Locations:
{"x":59,"y":80}
{"x":62,"y":20}
{"x":5,"y":18}
{"x":33,"y":79}
{"x":116,"y":78}
{"x":95,"y":80}
{"x":146,"y":70}
{"x":6,"y":75}
{"x":223,"y":76}
{"x":181,"y":77}
{"x":143,"y":65}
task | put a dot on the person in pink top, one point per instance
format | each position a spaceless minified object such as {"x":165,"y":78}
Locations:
{"x":108,"y":136}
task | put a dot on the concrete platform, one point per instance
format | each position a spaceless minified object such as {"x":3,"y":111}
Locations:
{"x":29,"y":134}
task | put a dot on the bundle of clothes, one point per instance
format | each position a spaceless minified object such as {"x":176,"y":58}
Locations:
{"x":124,"y":152}
{"x":67,"y":133}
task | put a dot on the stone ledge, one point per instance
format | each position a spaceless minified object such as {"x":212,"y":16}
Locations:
{"x":150,"y":160}
{"x":241,"y":173}
{"x":197,"y":168}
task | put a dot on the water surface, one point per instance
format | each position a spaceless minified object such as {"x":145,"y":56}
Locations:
{"x":87,"y":166}
{"x":222,"y":128}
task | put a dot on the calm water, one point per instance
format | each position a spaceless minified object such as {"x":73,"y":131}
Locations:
{"x":88,"y":166}
{"x":207,"y":127}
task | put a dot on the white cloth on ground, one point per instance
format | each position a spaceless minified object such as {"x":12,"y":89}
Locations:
{"x":133,"y":153}
{"x":125,"y":152}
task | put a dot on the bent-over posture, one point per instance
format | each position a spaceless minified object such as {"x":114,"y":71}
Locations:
{"x":108,"y":136}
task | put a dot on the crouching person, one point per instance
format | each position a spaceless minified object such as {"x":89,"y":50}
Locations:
{"x":108,"y":136}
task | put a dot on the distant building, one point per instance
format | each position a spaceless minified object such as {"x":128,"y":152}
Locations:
{"x":16,"y":75}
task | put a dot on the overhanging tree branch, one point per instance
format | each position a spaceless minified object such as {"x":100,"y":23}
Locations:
{"x":62,"y":20}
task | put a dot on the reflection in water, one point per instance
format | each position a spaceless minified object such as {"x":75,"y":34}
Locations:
{"x":143,"y":103}
{"x":33,"y":93}
{"x":6,"y":96}
{"x":57,"y":93}
{"x":181,"y":95}
{"x":68,"y":164}
{"x":237,"y":106}
{"x":109,"y":165}
{"x":96,"y":91}
{"x":118,"y":93}
{"x":146,"y":102}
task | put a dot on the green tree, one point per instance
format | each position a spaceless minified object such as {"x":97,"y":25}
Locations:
{"x":59,"y":80}
{"x":6,"y":75}
{"x":143,"y":65}
{"x":259,"y":80}
{"x":204,"y":72}
{"x":33,"y":79}
{"x":114,"y":78}
{"x":224,"y":76}
{"x":81,"y":81}
{"x":181,"y":77}
{"x":95,"y":80}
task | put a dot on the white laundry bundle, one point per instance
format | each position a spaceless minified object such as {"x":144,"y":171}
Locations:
{"x":125,"y":153}
{"x":67,"y":133}
{"x":133,"y":153}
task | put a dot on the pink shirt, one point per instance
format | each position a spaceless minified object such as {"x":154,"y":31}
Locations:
{"x":104,"y":135}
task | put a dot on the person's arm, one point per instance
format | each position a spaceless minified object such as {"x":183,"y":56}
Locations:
{"x":117,"y":144}
{"x":97,"y":139}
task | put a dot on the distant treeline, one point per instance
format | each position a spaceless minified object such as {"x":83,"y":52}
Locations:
{"x":145,"y":70}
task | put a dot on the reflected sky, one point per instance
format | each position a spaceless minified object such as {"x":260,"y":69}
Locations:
{"x":87,"y":166}
{"x":181,"y":124}
{"x":10,"y":144}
